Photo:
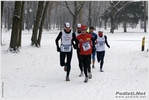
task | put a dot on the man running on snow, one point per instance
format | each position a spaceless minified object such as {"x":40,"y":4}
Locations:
{"x":86,"y":45}
{"x":100,"y":47}
{"x":67,"y":36}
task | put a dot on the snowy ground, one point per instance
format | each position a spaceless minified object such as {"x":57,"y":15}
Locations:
{"x":35,"y":73}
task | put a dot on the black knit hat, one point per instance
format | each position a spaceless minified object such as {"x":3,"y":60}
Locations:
{"x":92,"y":28}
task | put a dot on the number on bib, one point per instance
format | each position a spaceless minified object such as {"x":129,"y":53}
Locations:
{"x":66,"y":48}
{"x":86,"y":46}
{"x":100,"y":43}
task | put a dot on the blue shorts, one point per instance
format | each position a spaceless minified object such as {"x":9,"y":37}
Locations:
{"x":93,"y":55}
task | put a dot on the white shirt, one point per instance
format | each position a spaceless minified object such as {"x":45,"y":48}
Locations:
{"x":100,"y":45}
{"x":66,"y":41}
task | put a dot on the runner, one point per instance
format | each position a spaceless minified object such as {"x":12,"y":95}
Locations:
{"x":86,"y":45}
{"x":100,"y":48}
{"x":65,"y":49}
{"x":94,"y":35}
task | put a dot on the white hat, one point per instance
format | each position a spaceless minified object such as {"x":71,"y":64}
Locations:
{"x":100,"y":30}
{"x":67,"y":24}
{"x":78,"y":25}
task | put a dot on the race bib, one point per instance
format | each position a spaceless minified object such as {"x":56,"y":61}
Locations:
{"x":66,"y":48}
{"x":86,"y":46}
{"x":100,"y":43}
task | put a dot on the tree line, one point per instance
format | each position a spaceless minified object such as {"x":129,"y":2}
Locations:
{"x":39,"y":15}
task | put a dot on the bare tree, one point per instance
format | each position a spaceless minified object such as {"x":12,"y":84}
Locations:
{"x":2,"y":5}
{"x":15,"y":28}
{"x":80,"y":15}
{"x":42,"y":22}
{"x":145,"y":16}
{"x":125,"y":20}
{"x":115,"y":9}
{"x":76,"y":11}
{"x":92,"y":10}
{"x":89,"y":14}
{"x":36,"y":24}
{"x":39,"y":22}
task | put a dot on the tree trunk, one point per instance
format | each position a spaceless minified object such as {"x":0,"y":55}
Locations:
{"x":90,"y":19}
{"x":75,"y":16}
{"x":9,"y":19}
{"x":21,"y":24}
{"x":2,"y":4}
{"x":46,"y":23}
{"x":15,"y":27}
{"x":28,"y":16}
{"x":112,"y":25}
{"x":144,"y":16}
{"x":125,"y":20}
{"x":112,"y":19}
{"x":8,"y":16}
{"x":36,"y":23}
{"x":74,"y":22}
{"x":42,"y":23}
{"x":80,"y":15}
{"x":105,"y":23}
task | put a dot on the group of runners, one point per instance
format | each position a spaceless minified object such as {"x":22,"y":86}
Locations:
{"x":86,"y":44}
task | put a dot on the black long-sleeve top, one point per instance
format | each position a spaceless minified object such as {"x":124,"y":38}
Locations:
{"x":106,"y":41}
{"x":60,"y":35}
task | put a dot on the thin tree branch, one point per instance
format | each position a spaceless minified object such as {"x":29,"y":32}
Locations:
{"x":116,"y":3}
{"x":126,"y":4}
{"x":80,"y":7}
{"x":68,"y":8}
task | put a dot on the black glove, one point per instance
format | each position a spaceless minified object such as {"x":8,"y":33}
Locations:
{"x":93,"y":49}
{"x":58,"y":49}
{"x":108,"y":46}
{"x":75,"y":46}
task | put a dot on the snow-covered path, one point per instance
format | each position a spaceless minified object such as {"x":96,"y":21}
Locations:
{"x":36,"y":73}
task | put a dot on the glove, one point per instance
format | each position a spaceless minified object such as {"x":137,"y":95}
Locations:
{"x":93,"y":49}
{"x":58,"y":49}
{"x":75,"y":46}
{"x":108,"y":46}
